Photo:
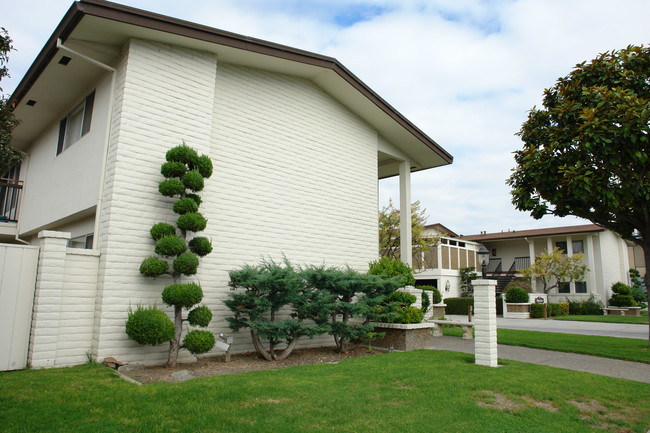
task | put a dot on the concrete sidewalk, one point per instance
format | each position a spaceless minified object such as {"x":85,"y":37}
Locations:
{"x":636,"y":371}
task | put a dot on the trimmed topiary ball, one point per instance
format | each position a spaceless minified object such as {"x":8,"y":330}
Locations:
{"x":185,"y":205}
{"x":153,"y":267}
{"x":162,"y":229}
{"x":173,"y":169}
{"x":186,"y":264}
{"x":182,"y":295}
{"x":149,"y":325}
{"x":409,"y":315}
{"x":516,"y":295}
{"x":198,"y":342}
{"x":184,"y":154}
{"x":436,"y":297}
{"x":200,"y":246}
{"x":204,"y":166}
{"x":171,"y":187}
{"x":197,"y":198}
{"x":170,"y":246}
{"x":193,"y":180}
{"x":200,"y":316}
{"x":192,"y":222}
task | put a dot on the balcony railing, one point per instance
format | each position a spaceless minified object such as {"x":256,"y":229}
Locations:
{"x":10,"y":190}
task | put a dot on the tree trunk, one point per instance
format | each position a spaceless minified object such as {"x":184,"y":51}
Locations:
{"x":175,"y":344}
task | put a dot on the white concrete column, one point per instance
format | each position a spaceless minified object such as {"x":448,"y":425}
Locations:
{"x":569,"y":253}
{"x":47,"y":298}
{"x":439,"y":255}
{"x":591,"y":264}
{"x":531,"y":255}
{"x":549,"y":245}
{"x":406,"y":233}
{"x":485,"y":322}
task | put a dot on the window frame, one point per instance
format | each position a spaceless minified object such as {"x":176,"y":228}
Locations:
{"x":83,"y":109}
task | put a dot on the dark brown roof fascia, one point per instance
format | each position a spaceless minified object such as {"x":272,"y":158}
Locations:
{"x":589,"y":228}
{"x":145,"y":19}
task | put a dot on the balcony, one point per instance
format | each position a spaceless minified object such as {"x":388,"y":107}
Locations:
{"x":10,"y":191}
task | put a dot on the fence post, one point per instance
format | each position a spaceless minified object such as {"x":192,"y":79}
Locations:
{"x":47,"y":298}
{"x":485,"y":322}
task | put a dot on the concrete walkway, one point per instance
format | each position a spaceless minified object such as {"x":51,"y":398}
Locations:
{"x":620,"y":330}
{"x":636,"y":371}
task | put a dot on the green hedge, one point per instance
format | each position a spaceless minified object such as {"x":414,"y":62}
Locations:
{"x":553,"y":309}
{"x":458,"y":305}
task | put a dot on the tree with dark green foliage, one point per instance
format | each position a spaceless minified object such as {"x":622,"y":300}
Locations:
{"x":347,"y":295}
{"x":9,"y":156}
{"x":638,"y":289}
{"x":185,"y":172}
{"x":622,"y":296}
{"x":259,"y":294}
{"x":389,"y":267}
{"x":587,"y":151}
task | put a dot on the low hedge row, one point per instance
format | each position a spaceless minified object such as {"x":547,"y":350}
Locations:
{"x":552,"y":310}
{"x":460,"y":305}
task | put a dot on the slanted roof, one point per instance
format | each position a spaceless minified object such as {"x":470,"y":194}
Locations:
{"x":520,"y":234}
{"x":100,"y":28}
{"x":441,"y":229}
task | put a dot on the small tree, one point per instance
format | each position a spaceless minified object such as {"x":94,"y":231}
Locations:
{"x":389,"y":231}
{"x":349,"y":295}
{"x":184,"y":171}
{"x":265,"y":290}
{"x":391,"y":267}
{"x":9,"y":156}
{"x":622,"y":296}
{"x":467,"y":275}
{"x":638,"y":289}
{"x":556,"y":267}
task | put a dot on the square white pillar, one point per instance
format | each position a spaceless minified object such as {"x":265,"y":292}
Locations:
{"x":485,"y":323}
{"x":406,"y":233}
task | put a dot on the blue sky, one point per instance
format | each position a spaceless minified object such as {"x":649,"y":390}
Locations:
{"x":464,"y":71}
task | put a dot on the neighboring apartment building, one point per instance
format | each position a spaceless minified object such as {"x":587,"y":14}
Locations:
{"x":604,"y":252}
{"x":297,"y":140}
{"x":439,"y":266}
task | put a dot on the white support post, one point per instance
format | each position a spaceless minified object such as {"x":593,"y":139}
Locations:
{"x":406,"y":244}
{"x":485,"y":323}
{"x":531,"y":254}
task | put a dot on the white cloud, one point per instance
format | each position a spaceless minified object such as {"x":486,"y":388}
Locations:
{"x":464,"y":71}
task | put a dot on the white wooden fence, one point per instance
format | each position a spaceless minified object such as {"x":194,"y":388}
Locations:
{"x":18,"y":265}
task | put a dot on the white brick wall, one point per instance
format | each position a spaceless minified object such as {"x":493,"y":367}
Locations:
{"x":295,"y":174}
{"x":64,"y":303}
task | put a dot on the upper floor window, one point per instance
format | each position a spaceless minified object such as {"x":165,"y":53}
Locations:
{"x":576,"y":246}
{"x":76,"y":124}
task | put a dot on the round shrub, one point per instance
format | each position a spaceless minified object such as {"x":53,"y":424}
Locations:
{"x":149,"y":326}
{"x":516,"y":295}
{"x":402,"y":298}
{"x":192,"y":222}
{"x":204,"y":166}
{"x":193,"y":180}
{"x":198,"y":342}
{"x":173,"y":169}
{"x":436,"y":297}
{"x":153,"y":267}
{"x":200,"y":246}
{"x":622,"y":296}
{"x":170,"y":246}
{"x":186,"y":264}
{"x":162,"y":229}
{"x":171,"y":187}
{"x":195,"y":197}
{"x":183,"y":153}
{"x":410,"y":315}
{"x":185,"y":205}
{"x":386,"y":267}
{"x":182,"y":295}
{"x":200,"y":316}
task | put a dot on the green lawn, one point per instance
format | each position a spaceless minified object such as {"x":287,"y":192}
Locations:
{"x":420,"y":391}
{"x":606,"y":319}
{"x":629,"y":349}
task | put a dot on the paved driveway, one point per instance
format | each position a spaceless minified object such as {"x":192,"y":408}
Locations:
{"x":571,"y":327}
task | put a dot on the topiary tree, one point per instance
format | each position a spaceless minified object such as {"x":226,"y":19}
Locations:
{"x":622,"y":296}
{"x":184,"y":172}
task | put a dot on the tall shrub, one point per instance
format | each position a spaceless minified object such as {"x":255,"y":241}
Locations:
{"x":388,"y":268}
{"x":177,"y":252}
